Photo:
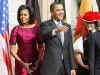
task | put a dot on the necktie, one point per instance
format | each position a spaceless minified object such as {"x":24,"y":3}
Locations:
{"x":61,"y":34}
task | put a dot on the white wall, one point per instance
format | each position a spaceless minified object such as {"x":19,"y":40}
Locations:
{"x":72,"y":11}
{"x":13,"y":7}
{"x":71,"y":7}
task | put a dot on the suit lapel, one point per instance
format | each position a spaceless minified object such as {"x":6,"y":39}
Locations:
{"x":65,"y":33}
{"x":54,"y":26}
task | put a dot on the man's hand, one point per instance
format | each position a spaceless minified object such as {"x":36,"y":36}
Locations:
{"x":61,"y":28}
{"x":73,"y":72}
{"x":36,"y":65}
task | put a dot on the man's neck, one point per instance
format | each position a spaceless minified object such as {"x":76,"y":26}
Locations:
{"x":56,"y":21}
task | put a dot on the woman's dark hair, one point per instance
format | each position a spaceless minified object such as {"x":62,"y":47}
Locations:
{"x":53,"y":5}
{"x":22,"y":7}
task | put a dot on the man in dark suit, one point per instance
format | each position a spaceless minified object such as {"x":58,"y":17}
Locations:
{"x":81,"y":45}
{"x":59,"y":56}
{"x":94,"y":53}
{"x":92,"y":23}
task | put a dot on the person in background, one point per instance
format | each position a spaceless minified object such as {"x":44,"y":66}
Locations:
{"x":82,"y":45}
{"x":94,"y":53}
{"x":26,"y":35}
{"x":59,"y":55}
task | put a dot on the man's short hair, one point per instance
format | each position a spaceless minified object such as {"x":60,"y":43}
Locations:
{"x":53,"y":5}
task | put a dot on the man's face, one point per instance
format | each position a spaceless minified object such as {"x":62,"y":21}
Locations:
{"x":90,"y":26}
{"x":58,"y":12}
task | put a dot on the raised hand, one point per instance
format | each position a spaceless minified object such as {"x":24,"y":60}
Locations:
{"x":62,"y":28}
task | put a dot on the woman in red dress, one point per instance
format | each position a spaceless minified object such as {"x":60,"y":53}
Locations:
{"x":26,"y":35}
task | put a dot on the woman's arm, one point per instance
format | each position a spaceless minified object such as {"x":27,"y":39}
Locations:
{"x":78,"y":57}
{"x":14,"y":54}
{"x":41,"y":47}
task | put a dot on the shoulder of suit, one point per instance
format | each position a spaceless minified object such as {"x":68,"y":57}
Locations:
{"x":69,"y":25}
{"x":46,"y":21}
{"x":97,"y":32}
{"x":65,"y":23}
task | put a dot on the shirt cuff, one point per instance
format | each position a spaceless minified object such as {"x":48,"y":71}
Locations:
{"x":54,"y":33}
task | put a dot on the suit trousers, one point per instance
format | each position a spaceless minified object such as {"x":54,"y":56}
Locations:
{"x":61,"y":70}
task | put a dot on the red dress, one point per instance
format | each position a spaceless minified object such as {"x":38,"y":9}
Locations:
{"x":26,"y":39}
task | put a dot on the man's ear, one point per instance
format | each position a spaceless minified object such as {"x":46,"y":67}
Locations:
{"x":51,"y":13}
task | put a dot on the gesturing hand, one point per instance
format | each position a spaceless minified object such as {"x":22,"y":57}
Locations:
{"x":61,"y":28}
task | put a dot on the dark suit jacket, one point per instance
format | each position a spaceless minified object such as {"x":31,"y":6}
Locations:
{"x":54,"y":49}
{"x":94,"y":54}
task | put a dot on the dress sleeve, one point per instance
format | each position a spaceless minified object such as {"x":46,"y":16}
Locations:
{"x":13,"y":35}
{"x":78,"y":45}
{"x":39,"y":37}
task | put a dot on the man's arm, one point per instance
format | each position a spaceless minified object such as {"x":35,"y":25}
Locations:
{"x":46,"y":31}
{"x":71,"y":52}
{"x":49,"y":33}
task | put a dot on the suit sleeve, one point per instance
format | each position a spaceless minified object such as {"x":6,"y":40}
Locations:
{"x":46,"y":31}
{"x":92,"y":54}
{"x":71,"y":51}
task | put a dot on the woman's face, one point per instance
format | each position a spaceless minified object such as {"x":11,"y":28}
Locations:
{"x":24,"y":17}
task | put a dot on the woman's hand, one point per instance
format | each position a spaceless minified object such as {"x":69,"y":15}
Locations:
{"x":27,"y":66}
{"x":14,"y":53}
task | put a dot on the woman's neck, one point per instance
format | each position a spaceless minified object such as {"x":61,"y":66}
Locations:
{"x":28,"y":26}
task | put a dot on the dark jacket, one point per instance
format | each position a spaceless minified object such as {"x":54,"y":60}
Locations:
{"x":94,"y":54}
{"x":55,"y":49}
